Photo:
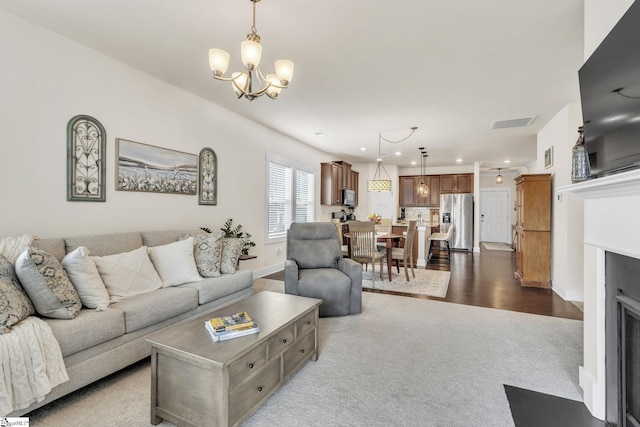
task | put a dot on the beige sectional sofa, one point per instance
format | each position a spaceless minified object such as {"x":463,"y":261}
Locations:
{"x":98,"y":343}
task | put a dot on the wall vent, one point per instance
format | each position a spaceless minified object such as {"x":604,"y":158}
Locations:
{"x":512,"y":123}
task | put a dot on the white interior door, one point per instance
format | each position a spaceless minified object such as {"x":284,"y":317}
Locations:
{"x":495,"y":224}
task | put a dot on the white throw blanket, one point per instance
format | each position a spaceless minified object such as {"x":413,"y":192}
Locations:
{"x":31,"y":364}
{"x":12,"y":247}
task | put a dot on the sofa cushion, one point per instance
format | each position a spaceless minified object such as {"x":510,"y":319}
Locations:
{"x":150,"y":308}
{"x":83,"y":273}
{"x":231,"y":250}
{"x":328,"y":284}
{"x":213,"y":288}
{"x":55,"y":247}
{"x":175,"y":262}
{"x":47,"y":284}
{"x":105,"y":244}
{"x":89,"y":328}
{"x":156,"y":238}
{"x":127,"y":274}
{"x":207,"y":251}
{"x":14,"y":303}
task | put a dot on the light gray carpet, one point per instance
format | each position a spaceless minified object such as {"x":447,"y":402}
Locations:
{"x":401,"y":362}
{"x":427,"y":282}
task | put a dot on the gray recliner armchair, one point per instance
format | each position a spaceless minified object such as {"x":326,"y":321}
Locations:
{"x":315,"y":268}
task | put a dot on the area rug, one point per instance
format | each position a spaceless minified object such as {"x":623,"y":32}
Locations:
{"x":497,"y":246}
{"x":427,"y":282}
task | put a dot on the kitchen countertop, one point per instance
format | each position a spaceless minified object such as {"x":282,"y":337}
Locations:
{"x":423,"y":225}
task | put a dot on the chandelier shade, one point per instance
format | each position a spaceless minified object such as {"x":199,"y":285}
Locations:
{"x":499,"y":178}
{"x":251,"y":83}
{"x":378,"y":183}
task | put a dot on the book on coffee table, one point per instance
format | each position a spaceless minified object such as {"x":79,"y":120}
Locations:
{"x":240,"y":320}
{"x":227,"y":334}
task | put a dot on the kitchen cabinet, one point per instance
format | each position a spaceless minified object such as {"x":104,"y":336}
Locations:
{"x":334,"y":177}
{"x":409,"y":195}
{"x":456,"y":183}
{"x":533,"y":230}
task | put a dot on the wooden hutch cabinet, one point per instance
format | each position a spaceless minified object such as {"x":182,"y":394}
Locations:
{"x":410,"y":196}
{"x":461,"y":183}
{"x":533,"y":230}
{"x":334,"y":177}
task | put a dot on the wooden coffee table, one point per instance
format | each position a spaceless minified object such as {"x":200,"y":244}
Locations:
{"x":198,"y":382}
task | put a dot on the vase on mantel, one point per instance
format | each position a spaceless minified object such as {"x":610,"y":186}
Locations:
{"x":580,"y":159}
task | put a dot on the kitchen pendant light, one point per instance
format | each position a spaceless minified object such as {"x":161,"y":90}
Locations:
{"x":244,"y":82}
{"x":377,"y":183}
{"x":423,"y":189}
{"x":499,"y":178}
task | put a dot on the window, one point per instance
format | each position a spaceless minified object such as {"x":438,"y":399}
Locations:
{"x":290,"y":196}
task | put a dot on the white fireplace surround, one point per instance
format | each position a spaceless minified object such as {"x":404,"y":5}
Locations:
{"x":611,"y":223}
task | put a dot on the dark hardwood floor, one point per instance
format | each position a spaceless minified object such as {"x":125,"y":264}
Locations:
{"x":485,"y":279}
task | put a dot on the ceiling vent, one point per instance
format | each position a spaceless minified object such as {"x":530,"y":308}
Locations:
{"x":512,"y":123}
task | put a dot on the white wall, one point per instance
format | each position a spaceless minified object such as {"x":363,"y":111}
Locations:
{"x":48,"y":79}
{"x":567,"y":210}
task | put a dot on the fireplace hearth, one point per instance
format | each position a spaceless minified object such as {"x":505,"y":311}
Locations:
{"x":622,"y":340}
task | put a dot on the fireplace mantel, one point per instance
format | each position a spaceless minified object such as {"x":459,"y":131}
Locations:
{"x":611,"y":223}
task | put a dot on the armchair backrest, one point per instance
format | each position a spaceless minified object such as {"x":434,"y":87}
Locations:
{"x":313,"y":245}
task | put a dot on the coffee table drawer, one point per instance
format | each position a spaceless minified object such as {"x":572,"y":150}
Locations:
{"x":257,"y":388}
{"x":247,"y":364}
{"x":301,"y":349}
{"x":280,"y":341}
{"x":305,"y":324}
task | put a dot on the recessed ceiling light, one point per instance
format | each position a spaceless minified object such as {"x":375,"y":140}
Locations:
{"x":507,"y":161}
{"x":414,"y":163}
{"x":363,"y":148}
{"x":320,"y":134}
{"x":398,"y":153}
{"x":459,"y":160}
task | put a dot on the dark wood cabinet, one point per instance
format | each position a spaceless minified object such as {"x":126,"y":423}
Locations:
{"x":456,"y":183}
{"x":533,"y":230}
{"x":409,"y":195}
{"x":336,"y":176}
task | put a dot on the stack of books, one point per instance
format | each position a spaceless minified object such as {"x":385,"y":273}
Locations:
{"x":231,"y":326}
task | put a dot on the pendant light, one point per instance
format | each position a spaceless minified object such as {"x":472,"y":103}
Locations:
{"x":499,"y":178}
{"x":423,"y":189}
{"x":377,"y":183}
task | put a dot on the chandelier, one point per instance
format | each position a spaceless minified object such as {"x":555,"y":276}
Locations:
{"x":251,"y":83}
{"x":423,"y":189}
{"x":378,"y":183}
{"x":499,"y":178}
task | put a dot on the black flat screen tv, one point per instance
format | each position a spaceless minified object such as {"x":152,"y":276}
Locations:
{"x":610,"y":97}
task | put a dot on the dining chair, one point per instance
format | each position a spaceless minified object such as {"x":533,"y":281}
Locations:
{"x":362,"y":246}
{"x":442,"y":237}
{"x":344,"y":248}
{"x":406,"y":253}
{"x":383,"y":227}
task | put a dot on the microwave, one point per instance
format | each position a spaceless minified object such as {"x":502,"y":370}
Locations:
{"x":348,"y":197}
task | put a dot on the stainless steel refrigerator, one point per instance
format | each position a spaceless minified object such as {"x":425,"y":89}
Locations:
{"x":457,"y":209}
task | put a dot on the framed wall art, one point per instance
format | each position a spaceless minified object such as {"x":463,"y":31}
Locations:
{"x":86,"y":151}
{"x":207,"y":177}
{"x":548,"y":158}
{"x":152,"y":169}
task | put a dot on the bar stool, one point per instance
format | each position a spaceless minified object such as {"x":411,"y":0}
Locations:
{"x":441,"y":237}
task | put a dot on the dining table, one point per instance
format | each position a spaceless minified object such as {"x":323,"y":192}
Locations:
{"x":389,"y":239}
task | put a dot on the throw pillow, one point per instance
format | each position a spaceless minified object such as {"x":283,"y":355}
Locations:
{"x":231,"y":250}
{"x":127,"y":274}
{"x":47,"y":284}
{"x":175,"y":262}
{"x":14,"y":303}
{"x":207,"y":250}
{"x":84,"y":275}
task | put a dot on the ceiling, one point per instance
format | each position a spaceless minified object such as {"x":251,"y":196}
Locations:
{"x":362,"y":67}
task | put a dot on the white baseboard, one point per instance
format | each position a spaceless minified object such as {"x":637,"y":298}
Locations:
{"x":476,"y":249}
{"x":589,"y":391}
{"x":265,"y":271}
{"x":568,"y":295}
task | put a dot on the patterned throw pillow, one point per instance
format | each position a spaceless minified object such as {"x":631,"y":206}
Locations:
{"x":14,"y":303}
{"x":231,"y":250}
{"x":47,"y":284}
{"x":207,"y":250}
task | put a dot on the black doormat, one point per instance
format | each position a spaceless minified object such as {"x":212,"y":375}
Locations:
{"x":533,"y":409}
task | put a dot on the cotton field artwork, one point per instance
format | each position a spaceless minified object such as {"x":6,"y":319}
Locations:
{"x":147,"y":168}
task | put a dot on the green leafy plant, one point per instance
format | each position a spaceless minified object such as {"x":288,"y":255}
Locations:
{"x":235,"y":233}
